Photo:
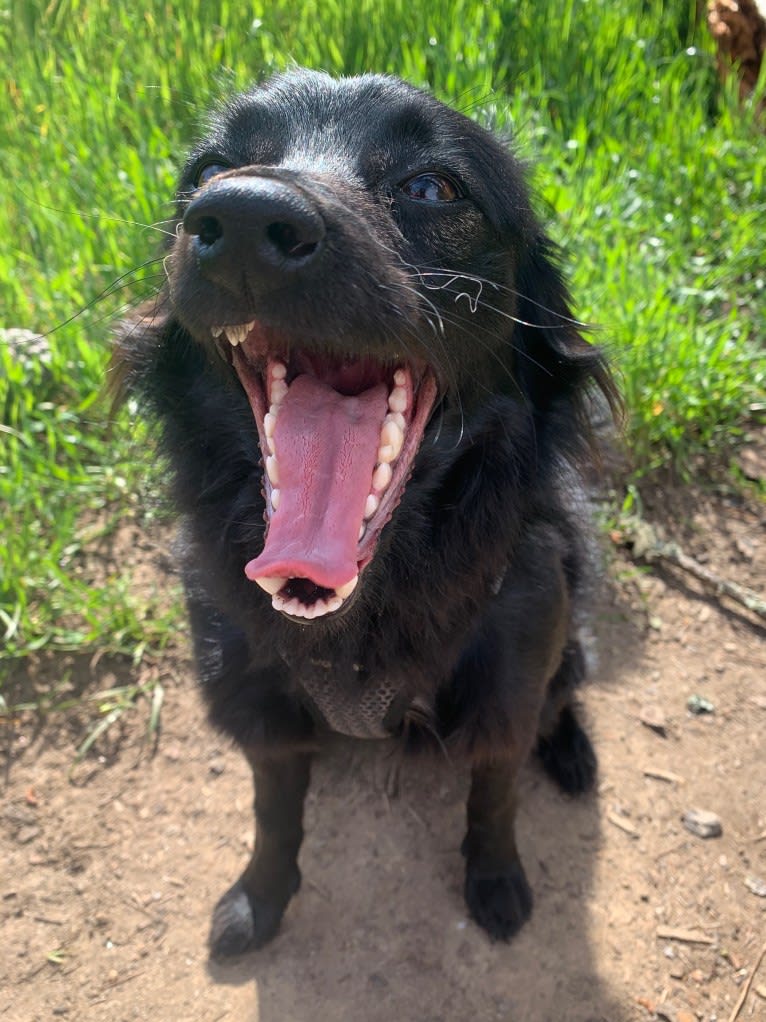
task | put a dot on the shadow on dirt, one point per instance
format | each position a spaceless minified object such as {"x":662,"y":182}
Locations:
{"x":380,"y":927}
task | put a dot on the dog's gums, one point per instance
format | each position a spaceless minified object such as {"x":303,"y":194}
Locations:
{"x":338,"y":437}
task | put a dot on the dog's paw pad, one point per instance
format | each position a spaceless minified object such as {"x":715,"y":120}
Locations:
{"x":500,"y":902}
{"x":568,"y":757}
{"x":240,"y":924}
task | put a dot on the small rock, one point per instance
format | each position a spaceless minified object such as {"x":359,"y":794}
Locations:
{"x":653,"y":717}
{"x":756,"y":885}
{"x":26,"y":834}
{"x":753,"y":463}
{"x":702,"y":822}
{"x":698,"y":704}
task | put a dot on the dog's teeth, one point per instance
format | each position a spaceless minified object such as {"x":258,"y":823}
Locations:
{"x":237,"y":334}
{"x":398,"y":418}
{"x":269,"y":424}
{"x":334,"y":603}
{"x":347,"y":588}
{"x":278,"y":370}
{"x":272,"y":470}
{"x":391,"y":440}
{"x":362,"y":532}
{"x":278,"y":602}
{"x":278,"y":391}
{"x":371,"y":506}
{"x":400,"y":377}
{"x":271,"y":585}
{"x":216,"y":331}
{"x":397,"y":399}
{"x":275,"y":495}
{"x":381,"y":477}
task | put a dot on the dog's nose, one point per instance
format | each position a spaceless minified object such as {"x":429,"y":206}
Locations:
{"x":259,"y":227}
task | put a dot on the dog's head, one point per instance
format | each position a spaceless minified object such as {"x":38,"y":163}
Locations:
{"x":355,"y":255}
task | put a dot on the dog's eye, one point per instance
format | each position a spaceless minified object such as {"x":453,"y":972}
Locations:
{"x":209,"y":170}
{"x":431,"y":188}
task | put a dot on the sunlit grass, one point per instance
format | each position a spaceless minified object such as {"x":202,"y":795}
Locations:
{"x":651,"y":175}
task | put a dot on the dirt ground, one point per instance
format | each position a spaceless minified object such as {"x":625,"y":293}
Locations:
{"x":111,"y":867}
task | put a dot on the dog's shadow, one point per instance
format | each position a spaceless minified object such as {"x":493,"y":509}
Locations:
{"x":379,"y":930}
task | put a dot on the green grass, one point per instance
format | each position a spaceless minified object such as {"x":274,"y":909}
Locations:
{"x":652,"y":176}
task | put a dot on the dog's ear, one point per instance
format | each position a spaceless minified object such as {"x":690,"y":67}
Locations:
{"x":556,"y":366}
{"x":136,"y":347}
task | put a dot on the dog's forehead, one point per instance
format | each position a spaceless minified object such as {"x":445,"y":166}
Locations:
{"x":309,"y":119}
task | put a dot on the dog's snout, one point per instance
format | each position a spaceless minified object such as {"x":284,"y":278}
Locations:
{"x":263,"y":228}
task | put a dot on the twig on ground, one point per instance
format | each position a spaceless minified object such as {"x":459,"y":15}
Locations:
{"x":648,"y":547}
{"x":663,"y":775}
{"x":684,"y":936}
{"x":618,"y":821}
{"x":746,"y":989}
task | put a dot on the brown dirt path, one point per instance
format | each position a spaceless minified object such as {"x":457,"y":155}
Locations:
{"x":108,"y":880}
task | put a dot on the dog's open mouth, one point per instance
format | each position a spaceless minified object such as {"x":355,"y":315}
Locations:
{"x":339,"y":436}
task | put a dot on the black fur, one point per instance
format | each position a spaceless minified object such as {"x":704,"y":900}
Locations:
{"x":472,"y":599}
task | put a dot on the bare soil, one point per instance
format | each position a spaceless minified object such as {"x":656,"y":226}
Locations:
{"x":111,"y":867}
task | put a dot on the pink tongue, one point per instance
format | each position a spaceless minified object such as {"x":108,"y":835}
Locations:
{"x":326,"y":447}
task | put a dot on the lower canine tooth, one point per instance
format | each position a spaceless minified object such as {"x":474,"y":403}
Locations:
{"x":271,"y":585}
{"x":347,"y":589}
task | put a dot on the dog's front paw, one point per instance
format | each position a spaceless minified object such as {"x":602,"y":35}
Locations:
{"x":242,"y":923}
{"x":500,"y":901}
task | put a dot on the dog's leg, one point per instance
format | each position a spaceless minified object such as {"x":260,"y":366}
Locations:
{"x":563,"y":746}
{"x":496,"y":889}
{"x":248,"y":915}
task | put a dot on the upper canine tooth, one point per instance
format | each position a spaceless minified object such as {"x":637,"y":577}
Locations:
{"x":271,"y":585}
{"x":347,"y":588}
{"x":272,"y":470}
{"x":216,"y":331}
{"x":397,"y":399}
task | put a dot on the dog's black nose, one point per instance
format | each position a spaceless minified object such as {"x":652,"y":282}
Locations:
{"x":256,"y":226}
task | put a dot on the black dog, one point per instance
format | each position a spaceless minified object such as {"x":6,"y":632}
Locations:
{"x":372,"y":395}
